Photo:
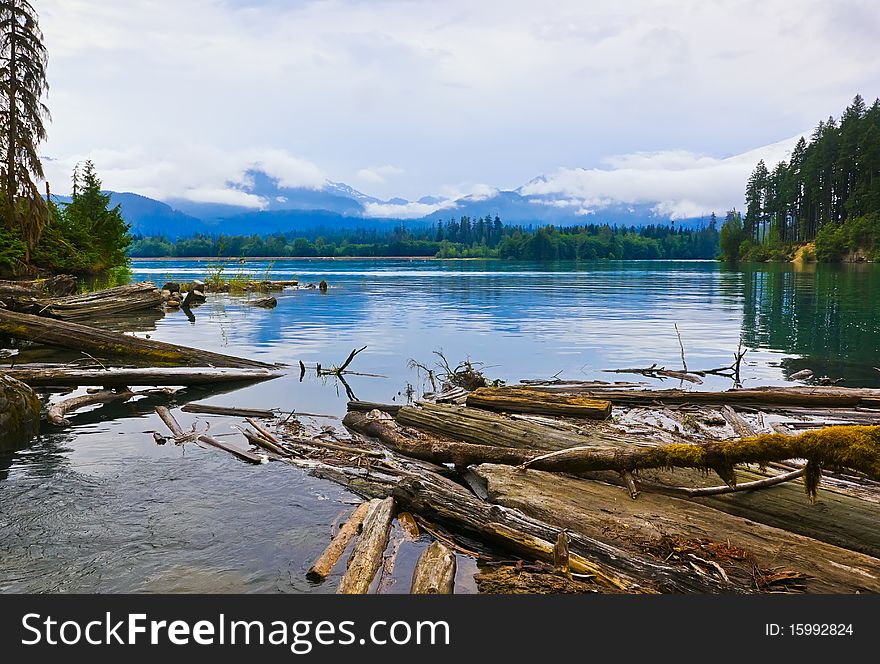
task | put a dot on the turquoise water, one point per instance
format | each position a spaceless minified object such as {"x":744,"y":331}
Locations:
{"x":100,"y":508}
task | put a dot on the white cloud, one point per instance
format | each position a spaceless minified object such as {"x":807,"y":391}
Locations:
{"x":405,"y":210}
{"x":191,"y":172}
{"x":679,"y":183}
{"x":378,"y":174}
{"x":448,"y":91}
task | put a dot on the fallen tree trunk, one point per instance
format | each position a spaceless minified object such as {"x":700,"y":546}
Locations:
{"x":836,"y":397}
{"x":104,"y":344}
{"x":482,"y":427}
{"x":367,"y":406}
{"x":366,"y":559}
{"x":595,"y":509}
{"x":526,"y":400}
{"x":852,"y":447}
{"x":435,"y":498}
{"x":435,"y":571}
{"x":99,"y":304}
{"x":115,"y":377}
{"x":181,"y":436}
{"x":56,"y":413}
{"x":208,"y":409}
{"x":328,"y":559}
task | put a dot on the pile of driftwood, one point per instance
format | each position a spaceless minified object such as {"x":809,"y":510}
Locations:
{"x":596,"y":488}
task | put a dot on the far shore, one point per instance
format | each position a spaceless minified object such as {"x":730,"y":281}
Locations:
{"x":305,"y":258}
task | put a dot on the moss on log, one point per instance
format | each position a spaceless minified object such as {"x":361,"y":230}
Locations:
{"x":19,"y":414}
{"x":605,"y":512}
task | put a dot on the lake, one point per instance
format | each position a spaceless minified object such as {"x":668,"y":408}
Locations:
{"x":99,"y":507}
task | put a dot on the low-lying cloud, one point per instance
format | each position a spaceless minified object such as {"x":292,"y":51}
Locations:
{"x":677,"y":183}
{"x":195,"y":173}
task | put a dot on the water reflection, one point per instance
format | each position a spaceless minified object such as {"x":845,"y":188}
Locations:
{"x":101,"y":508}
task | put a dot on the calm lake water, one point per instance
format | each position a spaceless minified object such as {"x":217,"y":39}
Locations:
{"x":99,"y":507}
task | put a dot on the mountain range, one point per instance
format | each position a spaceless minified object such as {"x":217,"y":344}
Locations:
{"x":339,"y":206}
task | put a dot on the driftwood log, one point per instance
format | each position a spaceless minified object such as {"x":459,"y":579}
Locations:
{"x":328,"y":559}
{"x":56,"y":414}
{"x":838,"y":518}
{"x":525,"y":400}
{"x":99,"y":304}
{"x":817,"y":397}
{"x":436,"y":498}
{"x":208,"y":409}
{"x":120,"y":377}
{"x":435,"y":571}
{"x":105,"y":344}
{"x":366,"y":559}
{"x":181,"y":436}
{"x":852,"y":447}
{"x":482,"y":427}
{"x":598,"y":509}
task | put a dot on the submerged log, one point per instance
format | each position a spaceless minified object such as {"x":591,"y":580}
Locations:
{"x":835,"y":397}
{"x":599,"y":510}
{"x":120,"y":377}
{"x":328,"y":559}
{"x":435,"y":571}
{"x":528,"y":400}
{"x":57,"y":412}
{"x":366,"y":559}
{"x":105,"y":344}
{"x":181,"y":436}
{"x":441,"y":500}
{"x":209,"y":409}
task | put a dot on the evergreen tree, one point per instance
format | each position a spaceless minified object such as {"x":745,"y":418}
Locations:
{"x":89,"y":212}
{"x":22,"y":113}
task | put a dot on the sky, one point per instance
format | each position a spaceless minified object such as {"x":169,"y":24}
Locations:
{"x":671,"y":101}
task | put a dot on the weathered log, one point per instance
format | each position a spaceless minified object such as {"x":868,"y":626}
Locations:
{"x":19,"y":414}
{"x":482,"y":427}
{"x":179,"y":434}
{"x":367,"y":406}
{"x":435,"y":498}
{"x":102,"y":343}
{"x":854,"y":447}
{"x":366,"y":559}
{"x":739,"y":424}
{"x":598,"y":510}
{"x":209,"y":409}
{"x":328,"y":559}
{"x":528,"y":400}
{"x":60,"y":284}
{"x":119,"y":377}
{"x":435,"y":571}
{"x":57,"y":412}
{"x":841,"y":519}
{"x":836,"y":397}
{"x":102,"y":303}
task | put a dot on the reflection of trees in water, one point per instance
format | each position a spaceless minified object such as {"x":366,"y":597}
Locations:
{"x":827,"y":314}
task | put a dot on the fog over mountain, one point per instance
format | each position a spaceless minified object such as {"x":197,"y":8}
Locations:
{"x":635,"y":189}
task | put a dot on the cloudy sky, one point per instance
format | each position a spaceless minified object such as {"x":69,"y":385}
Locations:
{"x":632,"y":100}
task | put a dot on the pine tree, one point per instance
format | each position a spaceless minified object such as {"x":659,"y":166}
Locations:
{"x":89,"y":212}
{"x":22,"y":114}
